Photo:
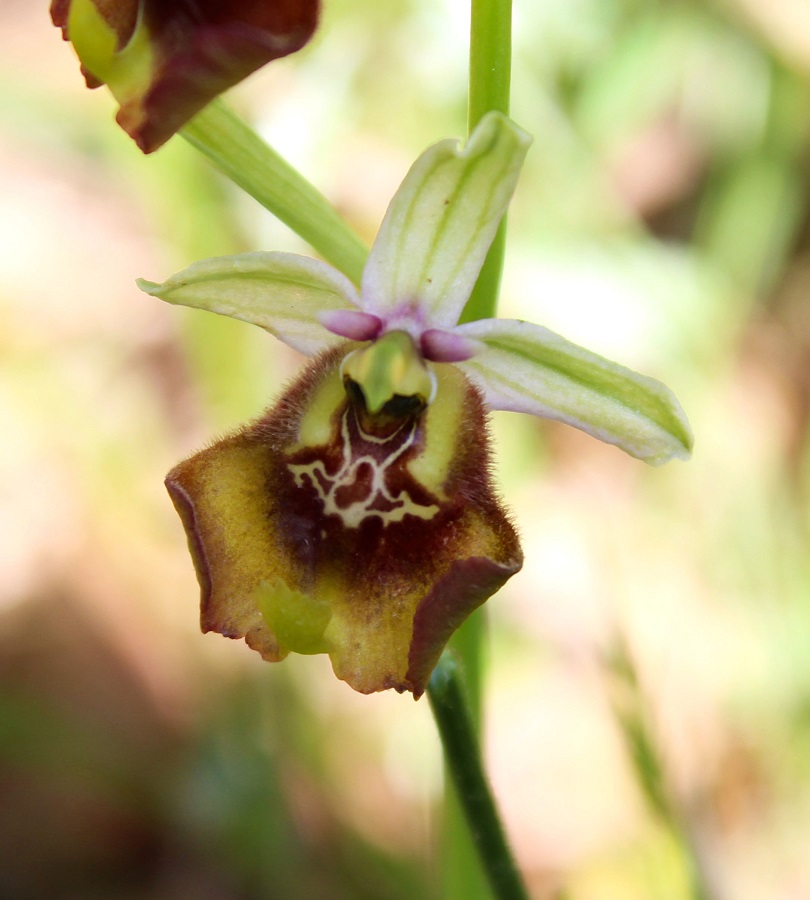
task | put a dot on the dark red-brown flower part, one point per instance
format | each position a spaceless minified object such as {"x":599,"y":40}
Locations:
{"x":332,"y":527}
{"x":164,"y":60}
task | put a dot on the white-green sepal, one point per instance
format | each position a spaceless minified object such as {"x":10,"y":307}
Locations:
{"x":440,"y":224}
{"x":529,"y":369}
{"x":281,"y":292}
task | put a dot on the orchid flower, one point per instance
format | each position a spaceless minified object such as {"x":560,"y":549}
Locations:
{"x":164,"y":60}
{"x":357,"y":517}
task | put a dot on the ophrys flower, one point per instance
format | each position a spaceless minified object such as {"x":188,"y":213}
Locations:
{"x":357,"y":517}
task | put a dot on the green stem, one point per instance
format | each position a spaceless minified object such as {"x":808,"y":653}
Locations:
{"x":490,"y":73}
{"x":234,"y":148}
{"x":462,"y":872}
{"x":490,"y":58}
{"x":449,"y":703}
{"x":490,"y":78}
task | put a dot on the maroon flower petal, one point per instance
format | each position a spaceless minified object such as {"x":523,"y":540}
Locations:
{"x":196,"y":51}
{"x":463,"y":588}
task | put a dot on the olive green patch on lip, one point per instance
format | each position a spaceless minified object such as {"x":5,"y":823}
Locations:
{"x":298,"y":620}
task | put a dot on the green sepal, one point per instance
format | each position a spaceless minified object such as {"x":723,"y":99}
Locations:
{"x":281,"y":292}
{"x":527,"y":368}
{"x":441,"y":222}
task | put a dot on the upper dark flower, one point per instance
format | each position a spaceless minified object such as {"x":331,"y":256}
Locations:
{"x":165,"y":59}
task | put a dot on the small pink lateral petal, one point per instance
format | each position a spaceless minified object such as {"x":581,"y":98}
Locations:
{"x":351,"y":323}
{"x":446,"y":347}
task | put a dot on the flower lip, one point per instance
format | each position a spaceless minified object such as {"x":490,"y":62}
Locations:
{"x":311,"y":535}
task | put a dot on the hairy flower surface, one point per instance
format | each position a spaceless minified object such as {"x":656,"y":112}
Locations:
{"x":357,"y":517}
{"x":164,"y":60}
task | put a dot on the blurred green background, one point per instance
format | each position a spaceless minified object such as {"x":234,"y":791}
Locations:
{"x":649,"y":669}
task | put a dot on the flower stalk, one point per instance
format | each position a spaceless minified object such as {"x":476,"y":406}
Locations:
{"x":490,"y":75}
{"x":489,"y":89}
{"x":490,"y":81}
{"x":451,"y":711}
{"x":237,"y":151}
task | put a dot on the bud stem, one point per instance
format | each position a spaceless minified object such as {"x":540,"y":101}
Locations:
{"x":234,"y":148}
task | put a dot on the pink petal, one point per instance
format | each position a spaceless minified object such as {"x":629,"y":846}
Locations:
{"x":352,"y":324}
{"x":446,"y":347}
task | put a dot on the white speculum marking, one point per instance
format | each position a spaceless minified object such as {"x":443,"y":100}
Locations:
{"x":394,"y":508}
